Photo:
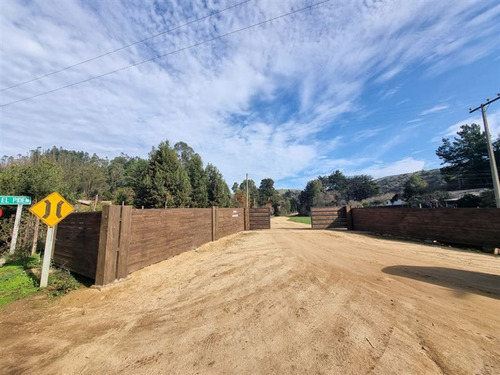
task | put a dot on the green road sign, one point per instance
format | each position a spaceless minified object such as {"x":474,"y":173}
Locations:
{"x":14,"y":201}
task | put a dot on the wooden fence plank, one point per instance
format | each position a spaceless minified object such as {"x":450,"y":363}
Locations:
{"x":467,"y":226}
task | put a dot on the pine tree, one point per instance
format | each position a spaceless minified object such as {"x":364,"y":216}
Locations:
{"x":198,"y":179}
{"x":218,"y":191}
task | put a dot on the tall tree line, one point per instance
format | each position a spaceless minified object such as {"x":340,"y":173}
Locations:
{"x":169,"y":177}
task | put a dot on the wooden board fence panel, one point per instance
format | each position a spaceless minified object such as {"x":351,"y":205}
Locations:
{"x":109,"y":245}
{"x":160,"y":234}
{"x":114,"y":241}
{"x":466,"y":226}
{"x":328,"y":217}
{"x":229,"y":221}
{"x":260,"y":218}
{"x":77,"y":243}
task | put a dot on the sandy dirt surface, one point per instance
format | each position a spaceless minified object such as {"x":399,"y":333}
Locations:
{"x":283,"y":301}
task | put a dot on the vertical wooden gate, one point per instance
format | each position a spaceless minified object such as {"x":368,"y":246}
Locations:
{"x":260,"y":218}
{"x":330,"y":217}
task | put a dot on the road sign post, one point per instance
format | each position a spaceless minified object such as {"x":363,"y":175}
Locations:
{"x":8,"y":200}
{"x":47,"y":256}
{"x":51,"y":210}
{"x":15,"y":231}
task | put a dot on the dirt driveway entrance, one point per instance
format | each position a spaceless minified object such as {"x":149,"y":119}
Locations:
{"x":284,"y":301}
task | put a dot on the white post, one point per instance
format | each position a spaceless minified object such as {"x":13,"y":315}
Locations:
{"x":17,"y":222}
{"x":47,"y":256}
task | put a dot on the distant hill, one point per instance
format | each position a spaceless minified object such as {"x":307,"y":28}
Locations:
{"x":294,"y":191}
{"x":394,"y":184}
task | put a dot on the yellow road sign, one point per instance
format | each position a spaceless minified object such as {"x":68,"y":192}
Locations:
{"x":52,"y":209}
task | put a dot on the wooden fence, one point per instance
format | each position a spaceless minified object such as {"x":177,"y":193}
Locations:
{"x":110,"y":245}
{"x":77,"y":243}
{"x":260,"y":218}
{"x":465,"y":226}
{"x":330,"y":217}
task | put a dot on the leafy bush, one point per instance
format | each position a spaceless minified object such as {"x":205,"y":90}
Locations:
{"x":61,"y":282}
{"x":469,"y":200}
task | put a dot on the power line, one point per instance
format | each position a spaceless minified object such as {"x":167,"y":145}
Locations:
{"x":125,"y":47}
{"x":171,"y":52}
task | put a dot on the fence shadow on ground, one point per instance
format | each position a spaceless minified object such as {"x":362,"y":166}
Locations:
{"x":484,"y":284}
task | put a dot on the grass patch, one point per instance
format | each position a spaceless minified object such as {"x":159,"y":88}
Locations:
{"x":301,"y":219}
{"x":17,"y":280}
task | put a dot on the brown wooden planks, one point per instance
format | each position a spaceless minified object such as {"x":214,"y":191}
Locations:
{"x":259,"y":218}
{"x":229,"y":221}
{"x":328,"y":217}
{"x":467,"y":226}
{"x":138,"y":239}
{"x":159,"y":234}
{"x":77,"y":243}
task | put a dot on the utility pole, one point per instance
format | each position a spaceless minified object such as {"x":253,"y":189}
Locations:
{"x":493,"y":165}
{"x":247,"y":190}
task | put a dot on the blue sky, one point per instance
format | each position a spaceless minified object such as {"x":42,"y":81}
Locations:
{"x":361,"y":86}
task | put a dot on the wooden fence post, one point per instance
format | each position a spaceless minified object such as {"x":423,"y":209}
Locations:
{"x":246,"y":212}
{"x":350,"y":222}
{"x":114,"y":241}
{"x":214,"y":223}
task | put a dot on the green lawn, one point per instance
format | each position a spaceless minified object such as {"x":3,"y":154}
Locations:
{"x":301,"y":219}
{"x":16,"y":282}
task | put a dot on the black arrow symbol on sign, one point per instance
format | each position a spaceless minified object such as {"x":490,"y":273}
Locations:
{"x":47,"y":208}
{"x":58,"y":209}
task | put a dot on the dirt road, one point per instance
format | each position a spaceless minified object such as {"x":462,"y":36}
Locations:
{"x":284,"y":301}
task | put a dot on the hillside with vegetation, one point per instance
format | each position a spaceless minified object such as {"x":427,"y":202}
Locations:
{"x":465,"y":166}
{"x":395,"y":183}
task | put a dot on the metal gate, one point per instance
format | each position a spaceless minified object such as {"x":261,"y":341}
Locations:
{"x":260,"y":218}
{"x":329,"y":217}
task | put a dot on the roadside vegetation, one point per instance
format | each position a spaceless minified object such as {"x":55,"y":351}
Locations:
{"x":19,"y":278}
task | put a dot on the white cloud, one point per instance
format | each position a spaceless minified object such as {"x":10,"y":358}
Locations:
{"x":436,"y":108}
{"x":388,"y":93}
{"x":414,"y":120}
{"x":264,"y":101}
{"x":493,"y":126}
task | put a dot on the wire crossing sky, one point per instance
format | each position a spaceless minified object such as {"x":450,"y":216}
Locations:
{"x":361,"y":86}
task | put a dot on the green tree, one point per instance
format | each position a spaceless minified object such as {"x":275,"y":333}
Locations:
{"x":267,"y":192}
{"x":415,"y":186}
{"x":124,"y":195}
{"x":466,"y":159}
{"x":253,"y":192}
{"x":235,"y":187}
{"x":218,"y":191}
{"x":184,"y":153}
{"x":308,"y":196}
{"x":116,"y":177}
{"x":335,"y":182}
{"x":166,"y":183}
{"x":360,"y":187}
{"x":198,"y":179}
{"x":94,"y":177}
